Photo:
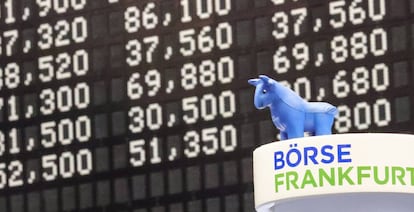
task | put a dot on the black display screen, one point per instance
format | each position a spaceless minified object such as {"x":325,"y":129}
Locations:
{"x":144,"y":106}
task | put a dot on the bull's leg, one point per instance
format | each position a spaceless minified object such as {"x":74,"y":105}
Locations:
{"x":324,"y":125}
{"x":297,"y":131}
{"x":323,"y":131}
{"x":283,"y":135}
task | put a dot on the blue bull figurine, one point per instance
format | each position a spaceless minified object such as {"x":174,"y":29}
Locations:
{"x":290,"y":113}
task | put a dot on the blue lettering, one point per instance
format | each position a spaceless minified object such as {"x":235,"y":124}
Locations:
{"x":279,"y":162}
{"x":327,"y":152}
{"x":343,"y":151}
{"x":298,"y":157}
{"x":310,"y":153}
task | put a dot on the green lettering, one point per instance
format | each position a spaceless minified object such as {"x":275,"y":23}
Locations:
{"x":361,"y":174}
{"x":324,"y":176}
{"x":345,"y":175}
{"x":386,"y":176}
{"x":411,"y":170}
{"x":398,"y":173}
{"x":278,"y":181}
{"x":292,"y":179}
{"x":308,"y":179}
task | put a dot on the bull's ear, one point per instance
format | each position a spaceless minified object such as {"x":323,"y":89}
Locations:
{"x":254,"y":82}
{"x":264,"y":78}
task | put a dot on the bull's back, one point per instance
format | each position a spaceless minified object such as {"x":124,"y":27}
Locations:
{"x":321,"y":107}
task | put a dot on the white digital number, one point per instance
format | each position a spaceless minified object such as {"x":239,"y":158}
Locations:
{"x":343,"y":120}
{"x":45,"y":32}
{"x":134,"y":88}
{"x":359,"y":45}
{"x":206,"y":107}
{"x":281,"y":22}
{"x":67,"y":164}
{"x":8,"y":4}
{"x":190,"y":109}
{"x":137,"y":152}
{"x":301,"y":14}
{"x":204,"y":9}
{"x":361,"y":79}
{"x":78,"y":28}
{"x":84,"y":162}
{"x":355,"y":12}
{"x":210,"y":141}
{"x":340,"y":86}
{"x":301,"y":53}
{"x":15,"y":173}
{"x":50,"y":167}
{"x":151,"y":117}
{"x":11,"y":36}
{"x":13,"y":142}
{"x":224,"y":36}
{"x":149,"y":18}
{"x":132,"y":16}
{"x":153,"y":81}
{"x":208,"y":73}
{"x":62,"y":28}
{"x":59,"y":6}
{"x":192,"y":141}
{"x":65,"y":131}
{"x":3,"y":176}
{"x":12,"y":108}
{"x":281,"y":63}
{"x":12,"y":75}
{"x":153,"y":41}
{"x":65,"y":97}
{"x":339,"y":46}
{"x":2,"y":145}
{"x":44,"y":7}
{"x":134,"y":49}
{"x":376,"y":15}
{"x":204,"y":41}
{"x":187,"y":41}
{"x":378,"y":36}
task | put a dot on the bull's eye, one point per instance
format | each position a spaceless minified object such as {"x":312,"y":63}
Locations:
{"x":264,"y":91}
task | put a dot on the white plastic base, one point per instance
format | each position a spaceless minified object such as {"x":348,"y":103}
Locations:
{"x":342,"y":173}
{"x":355,"y":202}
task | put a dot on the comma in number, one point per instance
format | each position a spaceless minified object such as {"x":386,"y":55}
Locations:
{"x":170,"y":86}
{"x":318,"y":25}
{"x":29,"y":111}
{"x":26,"y":14}
{"x":29,"y":79}
{"x":27,"y":46}
{"x":32,"y":177}
{"x":168,"y":53}
{"x":171,"y":120}
{"x":167,"y":19}
{"x":30,"y":144}
{"x":173,"y":154}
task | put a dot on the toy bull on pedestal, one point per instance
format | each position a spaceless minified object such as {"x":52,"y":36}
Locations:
{"x":290,"y":113}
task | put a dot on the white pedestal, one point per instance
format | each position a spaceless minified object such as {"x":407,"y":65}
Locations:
{"x":341,"y":173}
